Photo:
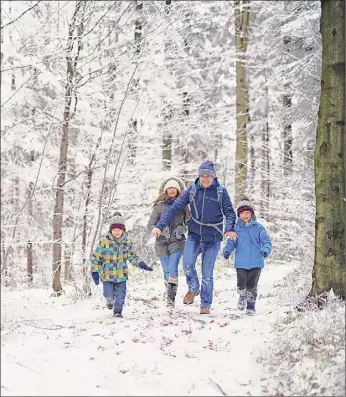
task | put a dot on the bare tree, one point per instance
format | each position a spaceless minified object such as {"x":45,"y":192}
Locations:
{"x":74,"y":46}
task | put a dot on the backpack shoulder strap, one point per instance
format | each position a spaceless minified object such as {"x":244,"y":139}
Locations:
{"x":192,"y":193}
{"x":220,"y":191}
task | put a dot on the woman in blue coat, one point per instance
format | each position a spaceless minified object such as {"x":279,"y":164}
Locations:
{"x":251,"y":246}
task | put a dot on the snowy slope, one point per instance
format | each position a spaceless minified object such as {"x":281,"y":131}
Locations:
{"x":59,"y":346}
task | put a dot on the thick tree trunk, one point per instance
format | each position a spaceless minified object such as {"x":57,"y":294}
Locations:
{"x":242,"y":19}
{"x":329,"y":270}
{"x":167,"y":138}
{"x":67,"y":115}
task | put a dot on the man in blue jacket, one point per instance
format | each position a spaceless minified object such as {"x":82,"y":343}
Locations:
{"x":209,"y":203}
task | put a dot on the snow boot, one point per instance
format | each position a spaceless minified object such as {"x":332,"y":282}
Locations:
{"x":250,"y":312}
{"x":110,"y":304}
{"x":117,"y":312}
{"x":171,"y":294}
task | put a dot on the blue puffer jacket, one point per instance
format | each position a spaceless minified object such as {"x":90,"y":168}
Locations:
{"x":252,"y":239}
{"x":208,"y":212}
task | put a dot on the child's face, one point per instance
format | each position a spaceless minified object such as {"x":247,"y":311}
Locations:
{"x":245,"y":216}
{"x":117,"y":232}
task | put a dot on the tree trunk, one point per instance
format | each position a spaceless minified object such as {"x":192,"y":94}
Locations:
{"x":29,"y":251}
{"x":242,"y":19}
{"x":167,"y":139}
{"x":71,"y":62}
{"x":329,"y":270}
{"x":133,"y":125}
{"x":287,"y":129}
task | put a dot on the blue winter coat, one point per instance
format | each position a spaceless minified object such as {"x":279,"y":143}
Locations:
{"x":208,"y":212}
{"x":252,"y":239}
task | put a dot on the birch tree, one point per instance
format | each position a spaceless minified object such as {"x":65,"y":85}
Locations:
{"x":329,"y":270}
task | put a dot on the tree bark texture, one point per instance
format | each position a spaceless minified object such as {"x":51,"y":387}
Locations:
{"x":242,"y":20}
{"x":329,"y":270}
{"x":71,"y":62}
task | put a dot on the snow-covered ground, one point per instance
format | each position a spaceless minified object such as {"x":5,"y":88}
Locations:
{"x":62,"y":346}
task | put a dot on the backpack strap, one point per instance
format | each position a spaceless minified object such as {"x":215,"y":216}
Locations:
{"x":220,"y":191}
{"x":192,"y":195}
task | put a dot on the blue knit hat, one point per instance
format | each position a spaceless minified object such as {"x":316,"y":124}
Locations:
{"x":207,"y":168}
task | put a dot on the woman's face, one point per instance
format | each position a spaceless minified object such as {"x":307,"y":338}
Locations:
{"x":172,"y":192}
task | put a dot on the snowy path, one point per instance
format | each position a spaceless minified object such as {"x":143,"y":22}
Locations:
{"x":52,"y":346}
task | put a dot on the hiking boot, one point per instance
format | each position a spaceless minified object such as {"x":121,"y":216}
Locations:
{"x":171,"y":293}
{"x":117,"y":312}
{"x":109,"y":304}
{"x":189,"y":297}
{"x":241,"y":303}
{"x":250,"y":312}
{"x":205,"y":310}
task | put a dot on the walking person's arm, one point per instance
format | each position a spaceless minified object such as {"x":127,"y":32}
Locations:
{"x":179,"y":204}
{"x":229,"y":213}
{"x":266,"y":244}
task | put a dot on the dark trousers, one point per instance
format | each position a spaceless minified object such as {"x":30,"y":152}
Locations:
{"x":247,"y":282}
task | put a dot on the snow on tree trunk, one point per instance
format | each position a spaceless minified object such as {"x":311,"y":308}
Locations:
{"x":329,"y":270}
{"x":71,"y":61}
{"x":242,"y":20}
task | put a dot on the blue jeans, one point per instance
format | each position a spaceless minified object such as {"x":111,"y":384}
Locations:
{"x":209,"y":253}
{"x":116,"y":292}
{"x":170,"y":264}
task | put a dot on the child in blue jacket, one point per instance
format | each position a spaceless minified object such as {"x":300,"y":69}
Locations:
{"x":252,"y":245}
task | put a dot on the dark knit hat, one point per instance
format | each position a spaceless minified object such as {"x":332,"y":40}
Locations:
{"x":245,"y":205}
{"x":207,"y":168}
{"x":117,"y":222}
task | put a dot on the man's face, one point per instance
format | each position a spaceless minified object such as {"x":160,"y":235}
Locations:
{"x":206,"y":180}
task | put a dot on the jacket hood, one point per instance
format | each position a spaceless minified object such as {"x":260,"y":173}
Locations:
{"x":180,"y":182}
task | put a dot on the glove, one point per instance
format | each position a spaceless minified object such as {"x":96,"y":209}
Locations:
{"x":96,"y":277}
{"x":144,"y":266}
{"x":226,"y":254}
{"x":179,"y":231}
{"x":166,"y":233}
{"x":264,"y":253}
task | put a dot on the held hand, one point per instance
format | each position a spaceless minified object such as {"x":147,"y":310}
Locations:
{"x":96,"y":277}
{"x":232,"y":235}
{"x":156,"y":232}
{"x":144,"y":266}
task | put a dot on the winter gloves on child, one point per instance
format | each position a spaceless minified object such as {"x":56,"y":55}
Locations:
{"x":226,"y":252}
{"x":264,"y":253}
{"x":96,"y":277}
{"x":180,"y":230}
{"x":144,"y":266}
